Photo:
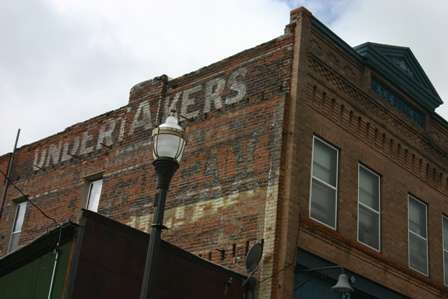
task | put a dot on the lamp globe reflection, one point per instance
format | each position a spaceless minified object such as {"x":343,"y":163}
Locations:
{"x":169,"y":140}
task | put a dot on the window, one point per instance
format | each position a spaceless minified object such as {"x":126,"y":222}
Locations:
{"x":396,"y":101}
{"x":324,"y":181}
{"x":445,"y":249}
{"x":94,"y":194}
{"x":417,"y":236}
{"x":369,"y":220}
{"x":17,"y":226}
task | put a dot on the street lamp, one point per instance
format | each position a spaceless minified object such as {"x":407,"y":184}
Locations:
{"x":168,"y":148}
{"x":342,"y":286}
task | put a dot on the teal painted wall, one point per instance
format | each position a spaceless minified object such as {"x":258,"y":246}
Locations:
{"x":309,"y":286}
{"x":32,"y":280}
{"x":315,"y":286}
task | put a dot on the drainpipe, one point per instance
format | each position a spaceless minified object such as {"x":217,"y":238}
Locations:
{"x":55,"y":263}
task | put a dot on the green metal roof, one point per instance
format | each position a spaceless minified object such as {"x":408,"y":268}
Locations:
{"x":41,"y":246}
{"x":396,"y":64}
{"x":401,"y":68}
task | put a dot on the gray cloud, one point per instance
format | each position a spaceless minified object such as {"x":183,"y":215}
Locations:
{"x":411,"y":23}
{"x":326,"y":11}
{"x":62,"y":62}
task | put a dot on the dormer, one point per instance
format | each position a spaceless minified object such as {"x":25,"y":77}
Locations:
{"x":401,"y":69}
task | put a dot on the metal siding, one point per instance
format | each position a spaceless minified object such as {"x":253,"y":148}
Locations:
{"x":112,"y":257}
{"x":32,"y":280}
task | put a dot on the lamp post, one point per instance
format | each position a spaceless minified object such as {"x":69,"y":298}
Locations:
{"x":169,"y":145}
{"x":342,"y":286}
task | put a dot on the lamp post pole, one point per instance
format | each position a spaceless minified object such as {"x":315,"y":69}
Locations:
{"x":169,"y":144}
{"x":165,"y":169}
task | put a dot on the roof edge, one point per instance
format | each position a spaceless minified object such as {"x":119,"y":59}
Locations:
{"x":38,"y":247}
{"x":377,"y":61}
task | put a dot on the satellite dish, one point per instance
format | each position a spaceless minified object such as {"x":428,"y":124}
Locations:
{"x":254,"y":256}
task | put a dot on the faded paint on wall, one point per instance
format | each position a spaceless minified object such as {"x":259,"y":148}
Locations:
{"x":114,"y":129}
{"x":192,"y":213}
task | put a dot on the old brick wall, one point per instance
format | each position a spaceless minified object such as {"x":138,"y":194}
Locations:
{"x":224,"y":194}
{"x":337,"y":105}
{"x":245,"y":175}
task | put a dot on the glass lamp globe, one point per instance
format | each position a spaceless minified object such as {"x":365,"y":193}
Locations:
{"x":169,"y":140}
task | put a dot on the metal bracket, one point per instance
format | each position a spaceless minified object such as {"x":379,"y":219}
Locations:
{"x":161,"y":226}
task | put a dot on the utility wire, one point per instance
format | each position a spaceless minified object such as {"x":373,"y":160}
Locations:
{"x":106,"y":146}
{"x":28,"y":198}
{"x":279,"y":271}
{"x":300,"y":284}
{"x":37,"y":166}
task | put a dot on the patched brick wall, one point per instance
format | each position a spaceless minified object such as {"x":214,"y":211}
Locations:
{"x":245,"y":175}
{"x":217,"y":204}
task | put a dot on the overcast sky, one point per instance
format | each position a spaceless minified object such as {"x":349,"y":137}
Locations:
{"x":62,"y":62}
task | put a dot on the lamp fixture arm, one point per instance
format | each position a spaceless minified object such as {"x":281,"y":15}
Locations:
{"x":322,"y":268}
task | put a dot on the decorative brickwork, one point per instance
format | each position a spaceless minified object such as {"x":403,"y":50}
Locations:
{"x":224,"y":196}
{"x":250,"y":121}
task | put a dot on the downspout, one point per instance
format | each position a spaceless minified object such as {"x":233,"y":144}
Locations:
{"x":55,"y":263}
{"x":8,"y":174}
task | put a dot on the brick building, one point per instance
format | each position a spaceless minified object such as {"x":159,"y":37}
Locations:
{"x":332,"y":155}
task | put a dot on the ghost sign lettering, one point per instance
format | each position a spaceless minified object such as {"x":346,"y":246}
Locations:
{"x":192,"y":102}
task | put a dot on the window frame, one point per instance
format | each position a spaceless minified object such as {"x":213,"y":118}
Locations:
{"x":360,"y":165}
{"x":335,"y":188}
{"x":410,"y":196}
{"x":399,"y":102}
{"x":18,"y":205}
{"x":445,"y":283}
{"x":90,"y":181}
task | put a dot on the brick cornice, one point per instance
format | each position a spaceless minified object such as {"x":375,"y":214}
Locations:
{"x":354,"y":105}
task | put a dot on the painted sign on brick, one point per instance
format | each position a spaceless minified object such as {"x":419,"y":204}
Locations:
{"x":201,"y":98}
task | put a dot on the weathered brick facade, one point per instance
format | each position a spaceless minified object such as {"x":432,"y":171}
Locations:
{"x":245,"y":175}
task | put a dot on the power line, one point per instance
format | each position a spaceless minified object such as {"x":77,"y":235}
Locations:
{"x":279,"y":271}
{"x":28,"y":198}
{"x":106,"y":146}
{"x":37,"y":166}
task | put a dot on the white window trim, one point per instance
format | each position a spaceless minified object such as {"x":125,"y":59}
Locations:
{"x":415,"y":234}
{"x":89,"y":192}
{"x":16,"y":213}
{"x":371,"y":209}
{"x":444,"y":250}
{"x":326,"y":184}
